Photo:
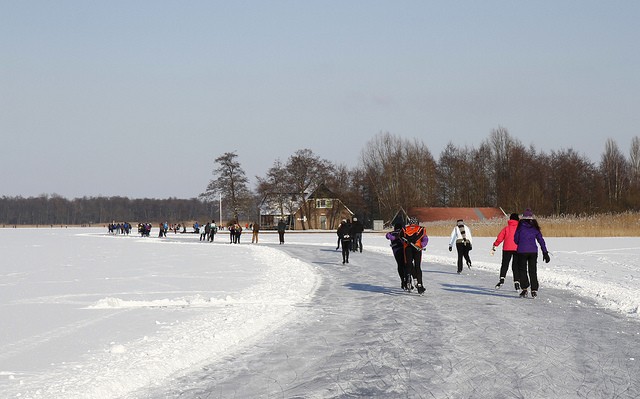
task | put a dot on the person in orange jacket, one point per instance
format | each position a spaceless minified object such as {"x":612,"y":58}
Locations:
{"x":414,"y":240}
{"x":509,"y":251}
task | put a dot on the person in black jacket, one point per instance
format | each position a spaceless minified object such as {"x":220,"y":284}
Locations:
{"x":338,"y":229}
{"x":398,"y":251}
{"x":282,"y":226}
{"x":345,"y":234}
{"x":357,"y":229}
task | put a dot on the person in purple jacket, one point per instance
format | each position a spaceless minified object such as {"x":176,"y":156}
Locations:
{"x":398,"y":251}
{"x":526,"y":235}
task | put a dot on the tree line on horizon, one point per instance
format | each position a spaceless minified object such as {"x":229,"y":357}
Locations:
{"x":392,"y":173}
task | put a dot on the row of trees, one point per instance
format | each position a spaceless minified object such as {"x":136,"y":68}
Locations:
{"x":56,"y":210}
{"x":392,"y":173}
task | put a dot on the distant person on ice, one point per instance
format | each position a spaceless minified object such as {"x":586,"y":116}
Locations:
{"x":414,"y":240}
{"x":204,"y":233}
{"x":345,"y":234}
{"x":282,"y":227}
{"x":526,"y":235}
{"x":338,"y":229}
{"x":509,"y":251}
{"x":255,"y":228}
{"x":461,"y":236}
{"x":357,"y":228}
{"x":213,"y":229}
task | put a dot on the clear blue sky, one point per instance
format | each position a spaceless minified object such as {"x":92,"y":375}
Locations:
{"x":137,"y":98}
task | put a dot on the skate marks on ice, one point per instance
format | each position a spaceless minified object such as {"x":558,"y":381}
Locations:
{"x":362,"y":336}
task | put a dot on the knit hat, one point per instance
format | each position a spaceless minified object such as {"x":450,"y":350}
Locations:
{"x":514,"y":216}
{"x":527,"y":214}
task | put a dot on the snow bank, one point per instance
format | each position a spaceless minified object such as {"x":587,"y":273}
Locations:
{"x":220,"y":326}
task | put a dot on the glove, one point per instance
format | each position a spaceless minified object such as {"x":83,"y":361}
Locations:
{"x":450,"y":249}
{"x":545,"y":257}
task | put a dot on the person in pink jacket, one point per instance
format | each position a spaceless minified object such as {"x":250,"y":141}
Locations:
{"x":509,"y":251}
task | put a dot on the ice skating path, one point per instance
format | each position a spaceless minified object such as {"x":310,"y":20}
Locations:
{"x":362,"y":336}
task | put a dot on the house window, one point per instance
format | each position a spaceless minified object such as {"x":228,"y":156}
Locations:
{"x":324,"y":203}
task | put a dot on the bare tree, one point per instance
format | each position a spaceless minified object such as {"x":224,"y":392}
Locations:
{"x":482,"y":184}
{"x":573,"y":183}
{"x":274,"y":188}
{"x":504,"y":149}
{"x":449,"y":176}
{"x":614,"y":169}
{"x":305,"y":171}
{"x":382,"y":162}
{"x":231,"y":182}
{"x":634,"y":161}
{"x":398,"y":173}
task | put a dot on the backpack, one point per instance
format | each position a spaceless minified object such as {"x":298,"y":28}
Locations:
{"x":413,"y":234}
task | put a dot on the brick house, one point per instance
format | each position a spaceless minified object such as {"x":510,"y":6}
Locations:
{"x":321,"y":210}
{"x":324,"y":211}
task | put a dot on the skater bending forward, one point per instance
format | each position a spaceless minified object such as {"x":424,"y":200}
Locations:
{"x":414,"y":240}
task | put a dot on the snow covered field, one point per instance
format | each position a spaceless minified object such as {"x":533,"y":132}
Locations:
{"x":89,"y":315}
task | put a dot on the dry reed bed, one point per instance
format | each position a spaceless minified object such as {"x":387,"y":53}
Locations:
{"x":625,"y":224}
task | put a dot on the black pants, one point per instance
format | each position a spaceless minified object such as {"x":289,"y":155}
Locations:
{"x":357,"y":241}
{"x":412,"y":260}
{"x":510,"y":256}
{"x":398,"y":254}
{"x":463,"y":252}
{"x":528,"y":262}
{"x":281,"y":235}
{"x":346,"y":246}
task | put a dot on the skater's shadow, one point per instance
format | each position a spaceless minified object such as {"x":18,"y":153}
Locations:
{"x":474,"y":290}
{"x":331,"y":250}
{"x":373,"y":288}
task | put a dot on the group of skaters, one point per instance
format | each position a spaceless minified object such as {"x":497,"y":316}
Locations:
{"x":144,"y":229}
{"x":520,"y":238}
{"x":119,"y":228}
{"x":349,"y":237}
{"x":208,"y":231}
{"x":235,"y":231}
